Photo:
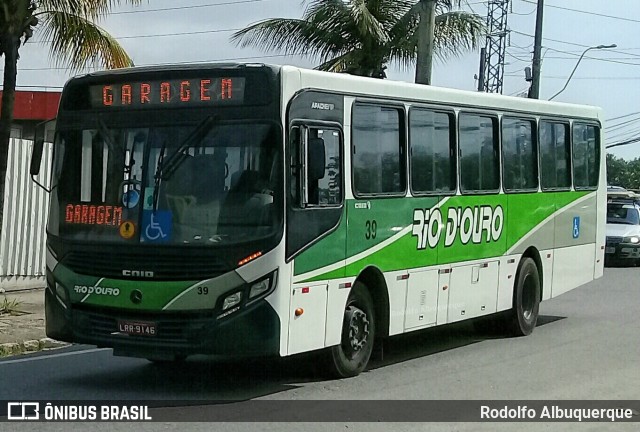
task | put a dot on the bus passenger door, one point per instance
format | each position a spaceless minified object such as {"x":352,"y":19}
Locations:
{"x":316,"y":234}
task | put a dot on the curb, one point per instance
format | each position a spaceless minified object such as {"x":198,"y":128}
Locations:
{"x":16,"y":348}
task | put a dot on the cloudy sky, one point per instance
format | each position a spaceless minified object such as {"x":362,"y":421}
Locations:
{"x":168,"y":31}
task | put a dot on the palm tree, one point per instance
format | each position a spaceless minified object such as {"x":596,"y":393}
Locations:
{"x":362,"y":36}
{"x":75,"y":40}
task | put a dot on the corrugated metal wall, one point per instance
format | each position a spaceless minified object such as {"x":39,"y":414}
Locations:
{"x":22,"y":243}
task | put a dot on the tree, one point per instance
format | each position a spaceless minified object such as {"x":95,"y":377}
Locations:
{"x":361,"y":37}
{"x":426,"y":38}
{"x":75,"y":40}
{"x":617,"y":171}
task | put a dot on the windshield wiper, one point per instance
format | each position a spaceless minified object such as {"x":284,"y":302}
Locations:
{"x":158,"y":175}
{"x":165,"y":169}
{"x":180,"y":154}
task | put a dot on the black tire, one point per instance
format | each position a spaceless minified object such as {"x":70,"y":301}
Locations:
{"x":526,"y":299}
{"x":358,"y":334}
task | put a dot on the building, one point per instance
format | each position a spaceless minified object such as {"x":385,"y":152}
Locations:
{"x":23,"y":234}
{"x":30,"y":109}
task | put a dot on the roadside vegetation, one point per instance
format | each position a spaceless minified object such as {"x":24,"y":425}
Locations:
{"x":10,"y":307}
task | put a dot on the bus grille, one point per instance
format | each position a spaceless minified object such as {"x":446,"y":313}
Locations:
{"x":185,"y":330}
{"x":164,"y":267}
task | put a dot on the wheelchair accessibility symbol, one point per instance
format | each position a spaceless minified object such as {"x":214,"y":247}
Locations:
{"x":156,"y":226}
{"x":576,"y":227}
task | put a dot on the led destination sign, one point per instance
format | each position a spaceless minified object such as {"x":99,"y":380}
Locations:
{"x":169,"y":93}
{"x":81,"y":214}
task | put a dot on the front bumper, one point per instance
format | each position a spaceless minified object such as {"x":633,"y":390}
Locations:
{"x":253,"y":330}
{"x":622,"y":251}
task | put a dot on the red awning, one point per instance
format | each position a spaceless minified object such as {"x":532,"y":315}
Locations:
{"x":35,"y":105}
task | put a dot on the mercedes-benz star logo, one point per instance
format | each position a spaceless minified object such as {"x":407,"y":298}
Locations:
{"x":136,"y":296}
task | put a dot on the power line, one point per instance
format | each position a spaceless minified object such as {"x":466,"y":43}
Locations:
{"x":524,"y":48}
{"x":158,"y":35}
{"x":183,"y":62}
{"x":629,"y":133}
{"x":574,"y":43}
{"x":522,"y":13}
{"x":623,"y":116}
{"x":587,"y":12}
{"x":604,"y":59}
{"x":589,"y":58}
{"x":228,"y":3}
{"x":519,"y":91}
{"x":629,"y":141}
{"x":518,"y":58}
{"x":622,"y":125}
{"x":592,"y":77}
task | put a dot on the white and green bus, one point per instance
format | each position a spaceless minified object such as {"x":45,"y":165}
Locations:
{"x":246,"y":209}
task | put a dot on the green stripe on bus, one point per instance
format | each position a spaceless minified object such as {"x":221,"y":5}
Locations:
{"x":522,"y":213}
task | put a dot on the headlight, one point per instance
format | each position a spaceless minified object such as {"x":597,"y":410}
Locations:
{"x":232,"y":300}
{"x":263,"y":286}
{"x":259,"y":288}
{"x":247,"y":294}
{"x":634,"y":240}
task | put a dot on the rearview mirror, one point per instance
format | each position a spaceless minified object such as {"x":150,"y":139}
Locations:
{"x":38,"y":149}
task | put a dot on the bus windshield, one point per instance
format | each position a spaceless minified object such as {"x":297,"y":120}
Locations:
{"x":112,"y":184}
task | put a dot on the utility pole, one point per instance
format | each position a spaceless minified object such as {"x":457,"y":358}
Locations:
{"x":534,"y":92}
{"x":426,"y":28}
{"x":492,"y":65}
{"x":483,"y":56}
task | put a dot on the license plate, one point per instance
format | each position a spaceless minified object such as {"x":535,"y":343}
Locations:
{"x":138,"y":328}
{"x":610,"y":250}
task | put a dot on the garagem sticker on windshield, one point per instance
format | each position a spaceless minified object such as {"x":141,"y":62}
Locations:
{"x":84,"y":214}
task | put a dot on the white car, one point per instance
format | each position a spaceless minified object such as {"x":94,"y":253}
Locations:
{"x":623,"y":231}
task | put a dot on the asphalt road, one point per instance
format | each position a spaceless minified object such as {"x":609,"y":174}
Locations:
{"x":585,"y":347}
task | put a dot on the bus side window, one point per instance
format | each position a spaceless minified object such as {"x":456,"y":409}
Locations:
{"x":325,"y":185}
{"x":318,"y":184}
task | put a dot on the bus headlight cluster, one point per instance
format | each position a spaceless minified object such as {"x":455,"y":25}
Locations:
{"x":250,"y":293}
{"x":262,"y":287}
{"x":633,"y":240}
{"x":259,"y":288}
{"x":232,"y":300}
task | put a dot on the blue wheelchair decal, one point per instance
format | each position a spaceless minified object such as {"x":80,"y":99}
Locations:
{"x":576,"y":227}
{"x":156,"y":226}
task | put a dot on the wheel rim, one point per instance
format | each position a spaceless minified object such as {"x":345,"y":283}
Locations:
{"x":357,"y":334}
{"x":528,"y":297}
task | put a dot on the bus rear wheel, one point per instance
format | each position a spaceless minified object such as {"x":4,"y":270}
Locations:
{"x":526,"y":299}
{"x":358,"y":333}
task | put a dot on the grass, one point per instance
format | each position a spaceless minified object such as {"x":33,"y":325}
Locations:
{"x":10,"y":307}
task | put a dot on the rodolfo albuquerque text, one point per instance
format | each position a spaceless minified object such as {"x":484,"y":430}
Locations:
{"x":478,"y":224}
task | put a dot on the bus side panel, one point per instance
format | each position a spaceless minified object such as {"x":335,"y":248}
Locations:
{"x":530,"y":224}
{"x":508,"y":269}
{"x":575,"y":240}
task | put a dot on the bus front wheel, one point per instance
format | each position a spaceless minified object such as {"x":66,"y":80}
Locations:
{"x":358,"y":332}
{"x":526,"y":299}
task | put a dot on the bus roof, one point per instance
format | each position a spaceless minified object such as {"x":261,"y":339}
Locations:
{"x":418,"y":92}
{"x":379,"y":88}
